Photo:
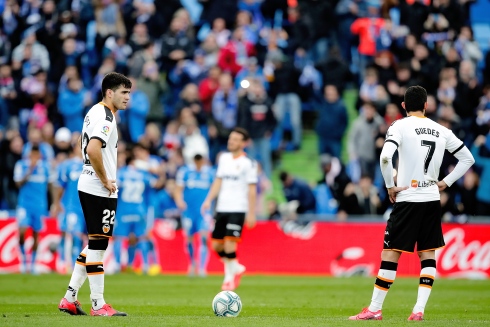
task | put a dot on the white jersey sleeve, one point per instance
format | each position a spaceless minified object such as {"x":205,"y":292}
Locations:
{"x":252,"y":177}
{"x":102,"y":130}
{"x":394,"y":135}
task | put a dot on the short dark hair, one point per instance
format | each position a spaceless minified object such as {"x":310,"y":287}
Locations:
{"x":198,"y":157}
{"x":35,"y":148}
{"x":243,"y":132}
{"x":283,"y":176}
{"x":113,"y":81}
{"x":415,"y":98}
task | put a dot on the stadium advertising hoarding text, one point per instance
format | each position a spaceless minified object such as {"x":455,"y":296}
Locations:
{"x":325,"y":248}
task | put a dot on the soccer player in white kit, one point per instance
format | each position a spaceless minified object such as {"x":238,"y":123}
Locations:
{"x":236,"y":188}
{"x":416,"y":215}
{"x":98,"y":195}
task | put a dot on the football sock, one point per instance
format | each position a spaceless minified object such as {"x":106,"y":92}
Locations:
{"x":151,"y":253}
{"x":144,"y":248}
{"x":78,"y":276}
{"x":386,"y":277}
{"x":230,"y":265}
{"x":23,"y":252}
{"x":117,"y":252}
{"x":190,"y":252}
{"x":427,"y":276}
{"x":131,"y":254}
{"x":95,"y":271}
{"x":203,"y":254}
{"x":33,"y":259}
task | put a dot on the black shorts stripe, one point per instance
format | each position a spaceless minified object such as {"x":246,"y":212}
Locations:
{"x":455,"y":151}
{"x":394,"y":142}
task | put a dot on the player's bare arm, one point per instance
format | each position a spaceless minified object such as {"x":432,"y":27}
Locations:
{"x":386,"y":162}
{"x":94,"y":151}
{"x":57,"y":207}
{"x":213,"y":193}
{"x":251,"y":219}
{"x":179,"y":198}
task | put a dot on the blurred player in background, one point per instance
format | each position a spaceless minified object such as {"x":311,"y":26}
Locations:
{"x":193,"y":184}
{"x":135,"y":187}
{"x":32,"y":177}
{"x":66,"y":205}
{"x":235,"y":187}
{"x":416,"y":215}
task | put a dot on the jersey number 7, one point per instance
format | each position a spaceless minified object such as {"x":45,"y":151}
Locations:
{"x":430,"y":153}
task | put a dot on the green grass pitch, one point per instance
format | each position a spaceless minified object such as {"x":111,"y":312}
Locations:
{"x":267,"y":301}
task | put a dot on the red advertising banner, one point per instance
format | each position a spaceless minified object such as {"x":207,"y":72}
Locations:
{"x":325,"y":248}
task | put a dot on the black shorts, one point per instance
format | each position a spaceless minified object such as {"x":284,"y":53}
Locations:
{"x":228,"y":225}
{"x":99,"y":214}
{"x":414,"y":222}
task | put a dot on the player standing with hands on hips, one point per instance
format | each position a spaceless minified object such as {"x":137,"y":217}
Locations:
{"x":416,"y":215}
{"x":98,"y":195}
{"x":236,"y":188}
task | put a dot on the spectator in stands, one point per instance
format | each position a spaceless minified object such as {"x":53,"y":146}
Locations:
{"x":334,"y":70}
{"x":468,"y":202}
{"x":145,"y":54}
{"x":137,"y":112}
{"x":251,"y":70}
{"x":139,"y":39}
{"x":334,"y":176}
{"x":117,"y":48}
{"x":233,"y":57}
{"x":193,"y":142}
{"x":284,"y":86}
{"x":296,"y":189}
{"x":176,"y":44}
{"x":361,"y":139}
{"x":10,"y":152}
{"x":189,"y":98}
{"x":332,"y":122}
{"x":154,"y":86}
{"x":424,"y":68}
{"x":208,"y":87}
{"x":34,"y":137}
{"x":396,"y":87}
{"x":109,"y":20}
{"x":482,"y":159}
{"x":8,"y":95}
{"x":256,"y":116}
{"x":372,"y":91}
{"x":220,"y":33}
{"x":211,"y":51}
{"x":30,"y":53}
{"x":362,"y":199}
{"x":72,"y":103}
{"x":224,"y":111}
{"x":466,"y":47}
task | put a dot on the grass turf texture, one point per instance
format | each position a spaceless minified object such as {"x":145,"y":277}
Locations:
{"x":267,"y":301}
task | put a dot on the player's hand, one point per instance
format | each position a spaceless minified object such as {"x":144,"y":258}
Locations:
{"x":206,"y":206}
{"x":442,"y":185}
{"x":250,"y":220}
{"x":56,"y":209}
{"x":181,"y":205}
{"x":110,"y":185}
{"x":392,"y":192}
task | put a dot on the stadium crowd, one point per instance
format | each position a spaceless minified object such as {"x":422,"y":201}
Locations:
{"x":200,"y":68}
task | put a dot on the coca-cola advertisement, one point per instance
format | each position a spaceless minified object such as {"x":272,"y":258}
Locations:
{"x":323,"y":248}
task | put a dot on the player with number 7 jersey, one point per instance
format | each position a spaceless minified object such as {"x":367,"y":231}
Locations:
{"x":416,"y":215}
{"x":98,"y":195}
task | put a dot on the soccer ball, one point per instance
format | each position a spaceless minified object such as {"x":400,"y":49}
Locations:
{"x":227,"y":304}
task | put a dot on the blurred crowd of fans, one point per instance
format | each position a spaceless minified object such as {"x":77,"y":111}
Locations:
{"x":202,"y":67}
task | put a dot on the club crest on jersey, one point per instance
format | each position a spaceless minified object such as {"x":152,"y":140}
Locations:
{"x":106,"y":228}
{"x":415,"y":183}
{"x":105,"y":130}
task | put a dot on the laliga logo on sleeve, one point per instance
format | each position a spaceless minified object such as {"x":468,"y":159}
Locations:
{"x":415,"y":183}
{"x":105,"y":130}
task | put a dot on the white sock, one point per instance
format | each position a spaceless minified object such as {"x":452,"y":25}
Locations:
{"x":228,"y":270}
{"x":427,"y":276}
{"x":95,"y":272}
{"x":78,"y":276}
{"x":386,"y":277}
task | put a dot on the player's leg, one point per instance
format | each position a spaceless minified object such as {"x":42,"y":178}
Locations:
{"x":132,"y":243}
{"x":400,"y":236}
{"x":139,"y":232}
{"x":203,"y":247}
{"x":23,"y":223}
{"x":189,"y":229}
{"x":429,"y":239}
{"x":37,"y":225}
{"x":99,"y":215}
{"x":232,"y":237}
{"x":217,"y":237}
{"x":69,"y":303}
{"x":121,"y":232}
{"x":75,"y":224}
{"x":61,"y":246}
